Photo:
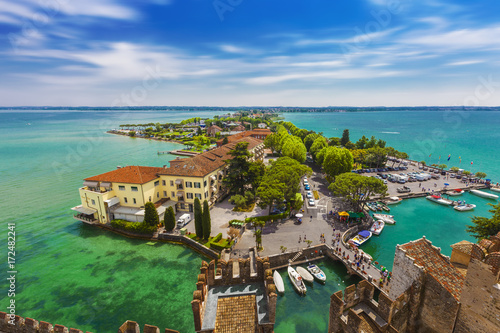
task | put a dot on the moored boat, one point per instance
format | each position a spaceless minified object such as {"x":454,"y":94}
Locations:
{"x":438,"y":199}
{"x":383,"y":206}
{"x":495,"y":189}
{"x":361,"y":237}
{"x":278,"y":282}
{"x":306,"y":276}
{"x":316,"y":272}
{"x":484,"y":194}
{"x":377,"y":227}
{"x":297,"y":281}
{"x":455,"y":192}
{"x":393,"y":200}
{"x":464,"y":207}
{"x":389,"y":219}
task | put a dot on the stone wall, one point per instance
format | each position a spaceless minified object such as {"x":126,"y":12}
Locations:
{"x":405,"y":273}
{"x":313,"y":252}
{"x":28,"y":325}
{"x":480,"y":298}
{"x":189,"y":242}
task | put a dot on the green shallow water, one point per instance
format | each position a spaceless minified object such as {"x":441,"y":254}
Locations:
{"x":86,"y":278}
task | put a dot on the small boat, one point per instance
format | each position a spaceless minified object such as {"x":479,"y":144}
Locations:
{"x":484,"y":194}
{"x":278,"y":282}
{"x":361,"y":237}
{"x":316,"y":272}
{"x":438,"y":199}
{"x":306,"y":276}
{"x":464,"y":207}
{"x":297,"y":282}
{"x":389,"y":219}
{"x":495,"y":189}
{"x":455,"y":192}
{"x":377,"y":227}
{"x":383,"y":206}
{"x":393,"y":200}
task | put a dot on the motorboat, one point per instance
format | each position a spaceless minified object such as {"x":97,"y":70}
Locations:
{"x":484,"y":194}
{"x":383,"y":206}
{"x":278,"y":282}
{"x":389,"y":219}
{"x":438,"y":199}
{"x":306,"y":276}
{"x":455,"y":192}
{"x":361,"y":237}
{"x":297,"y":281}
{"x":393,"y":200}
{"x":377,"y":227}
{"x":495,"y":189}
{"x":316,"y":272}
{"x":464,"y":207}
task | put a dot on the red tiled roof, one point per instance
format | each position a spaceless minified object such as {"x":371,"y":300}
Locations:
{"x":203,"y":164}
{"x":129,"y":174}
{"x":463,"y":246}
{"x":257,"y":131}
{"x":433,"y":262}
{"x":236,"y":314}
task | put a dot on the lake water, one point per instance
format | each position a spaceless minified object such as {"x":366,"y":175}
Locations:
{"x":83,"y":277}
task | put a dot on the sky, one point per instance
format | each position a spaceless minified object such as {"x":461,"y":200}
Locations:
{"x":313,"y":53}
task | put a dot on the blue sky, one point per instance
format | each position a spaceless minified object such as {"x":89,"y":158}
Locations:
{"x":249,"y":52}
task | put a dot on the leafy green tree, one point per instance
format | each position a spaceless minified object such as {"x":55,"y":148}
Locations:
{"x":238,"y":167}
{"x":131,"y":133}
{"x":337,"y":161}
{"x":349,"y":145}
{"x":345,"y":137}
{"x":258,"y":238}
{"x":480,"y":175}
{"x":256,"y":171}
{"x":309,"y":139}
{"x":242,"y":201}
{"x":376,"y":156}
{"x":225,"y":141}
{"x":442,"y":166}
{"x":466,"y":172}
{"x":357,"y":189}
{"x":270,"y":192}
{"x":271,"y":142}
{"x":207,"y":221}
{"x":423,"y":163}
{"x":281,"y":135}
{"x":454,"y":169}
{"x":318,"y":144}
{"x":151,"y":214}
{"x":361,"y":143}
{"x":198,"y":218}
{"x":485,"y":227}
{"x":335,"y":142}
{"x":169,"y":220}
{"x":294,"y":148}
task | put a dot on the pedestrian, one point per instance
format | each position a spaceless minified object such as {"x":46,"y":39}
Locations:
{"x":300,"y":239}
{"x":305,"y":238}
{"x":419,"y":184}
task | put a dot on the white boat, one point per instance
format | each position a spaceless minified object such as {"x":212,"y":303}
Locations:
{"x":306,"y":276}
{"x":316,"y":272}
{"x":361,"y":237}
{"x":278,"y":282}
{"x":393,"y":200}
{"x":296,"y":279}
{"x":495,"y":189}
{"x":456,"y":192}
{"x":465,"y":207}
{"x":484,"y":194}
{"x":389,"y":219}
{"x":438,"y":199}
{"x":377,"y":227}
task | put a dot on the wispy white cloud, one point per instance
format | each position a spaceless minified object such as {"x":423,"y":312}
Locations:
{"x":464,"y":63}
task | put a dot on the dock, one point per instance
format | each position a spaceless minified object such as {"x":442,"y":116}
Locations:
{"x":179,"y":152}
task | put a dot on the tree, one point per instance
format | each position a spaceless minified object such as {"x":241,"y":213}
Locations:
{"x":242,"y":201}
{"x":131,"y":133}
{"x":207,"y":221}
{"x":233,"y":233}
{"x":480,"y":175}
{"x":454,"y":169}
{"x":309,"y":139}
{"x":337,"y":161}
{"x":423,"y":164}
{"x":345,"y":137}
{"x":294,"y":148}
{"x":198,"y":218}
{"x":258,"y":238}
{"x":334,"y":142}
{"x":361,"y":143}
{"x":442,"y":166}
{"x":357,"y":189}
{"x":269,"y":193}
{"x":377,"y":156}
{"x":318,"y":144}
{"x":150,"y":214}
{"x":169,"y":220}
{"x":466,"y":172}
{"x":485,"y":227}
{"x":237,"y":174}
{"x":225,"y":141}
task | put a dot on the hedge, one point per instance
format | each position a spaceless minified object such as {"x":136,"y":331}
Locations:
{"x":217,"y":238}
{"x":136,"y":227}
{"x":266,"y":218}
{"x":221,"y":245}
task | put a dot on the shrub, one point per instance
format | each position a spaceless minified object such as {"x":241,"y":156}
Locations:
{"x":217,"y":238}
{"x":135,"y":227}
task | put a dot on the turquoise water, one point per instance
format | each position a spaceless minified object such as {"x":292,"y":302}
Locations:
{"x":82,"y":277}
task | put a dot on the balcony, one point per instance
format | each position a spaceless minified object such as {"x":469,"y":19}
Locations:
{"x":85,"y":218}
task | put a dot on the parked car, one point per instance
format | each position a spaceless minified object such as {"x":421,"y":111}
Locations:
{"x":404,"y":189}
{"x":311,"y":202}
{"x":452,"y":175}
{"x":443,"y":173}
{"x":307,"y":187}
{"x":309,"y":195}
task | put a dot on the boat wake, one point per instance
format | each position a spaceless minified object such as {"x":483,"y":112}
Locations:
{"x":390,"y":132}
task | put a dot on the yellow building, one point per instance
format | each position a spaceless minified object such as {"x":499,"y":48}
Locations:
{"x":122,"y":193}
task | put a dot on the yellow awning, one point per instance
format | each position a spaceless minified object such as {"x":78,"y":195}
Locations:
{"x":343,"y":214}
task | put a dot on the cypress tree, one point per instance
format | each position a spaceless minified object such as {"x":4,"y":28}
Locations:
{"x":207,"y":222}
{"x":169,"y":221}
{"x":150,"y":214}
{"x":198,"y":218}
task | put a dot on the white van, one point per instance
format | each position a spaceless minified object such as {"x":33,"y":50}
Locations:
{"x":183,"y":220}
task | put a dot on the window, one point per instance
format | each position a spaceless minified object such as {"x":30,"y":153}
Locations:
{"x":189,"y":184}
{"x":134,"y":188}
{"x":164,"y":193}
{"x":206,"y":194}
{"x":93,"y":202}
{"x":125,"y":199}
{"x":149,"y":198}
{"x":157,"y":183}
{"x":163,"y":183}
{"x":157,"y":194}
{"x":121,"y":188}
{"x":183,"y":206}
{"x":172,"y":194}
{"x":171,"y":183}
{"x":220,"y":177}
{"x":191,"y":208}
{"x":189,"y":195}
{"x":135,"y":201}
{"x":197,"y":185}
{"x":205,"y":183}
{"x":197,"y":195}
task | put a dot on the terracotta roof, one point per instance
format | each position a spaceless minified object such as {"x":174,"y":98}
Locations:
{"x":463,"y":246}
{"x":214,"y":127}
{"x":236,"y":314}
{"x":129,"y":174}
{"x":203,"y":164}
{"x":257,"y":131}
{"x":433,"y":262}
